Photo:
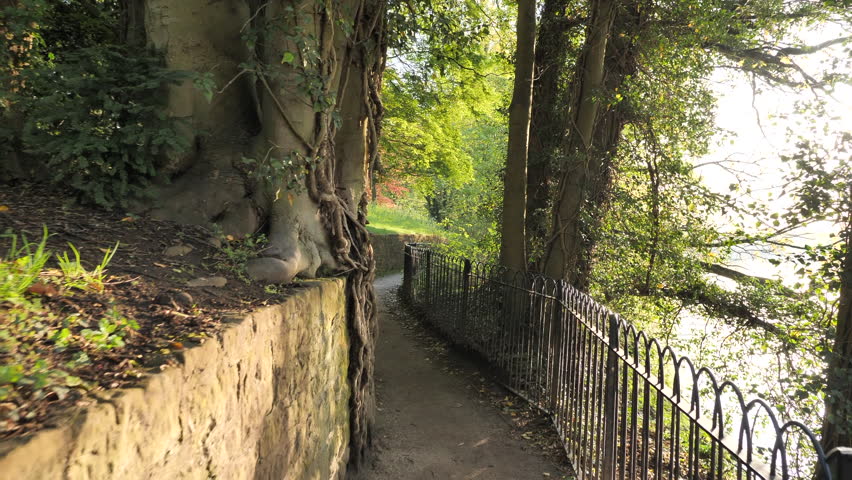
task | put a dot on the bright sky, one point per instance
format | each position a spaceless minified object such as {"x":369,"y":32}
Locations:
{"x":757,"y":151}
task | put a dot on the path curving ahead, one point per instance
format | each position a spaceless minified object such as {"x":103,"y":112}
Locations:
{"x":431,"y":424}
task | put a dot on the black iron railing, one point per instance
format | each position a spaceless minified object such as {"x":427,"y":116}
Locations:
{"x":624,"y":405}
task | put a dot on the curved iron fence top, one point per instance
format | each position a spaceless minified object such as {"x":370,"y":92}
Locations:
{"x":716,"y":406}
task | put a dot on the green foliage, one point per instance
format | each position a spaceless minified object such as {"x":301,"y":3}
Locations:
{"x":98,"y":119}
{"x":40,"y":348}
{"x":450,"y":34}
{"x":88,"y":106}
{"x":75,"y":275}
{"x":444,"y":132}
{"x":111,"y":331}
{"x":21,"y":266}
{"x":235,"y":253}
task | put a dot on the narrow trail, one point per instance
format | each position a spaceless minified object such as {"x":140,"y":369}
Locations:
{"x":431,"y":424}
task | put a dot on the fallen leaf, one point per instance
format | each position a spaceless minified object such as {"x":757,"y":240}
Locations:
{"x":128,"y":219}
{"x":4,"y":208}
{"x":43,"y":289}
{"x":176,"y":345}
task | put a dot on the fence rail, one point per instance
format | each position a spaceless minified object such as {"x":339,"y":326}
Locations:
{"x":625,"y":406}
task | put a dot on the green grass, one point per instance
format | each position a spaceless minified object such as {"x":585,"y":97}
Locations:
{"x":42,"y":346}
{"x":388,"y":220}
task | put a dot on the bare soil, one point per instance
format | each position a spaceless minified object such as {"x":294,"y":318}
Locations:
{"x":443,"y":417}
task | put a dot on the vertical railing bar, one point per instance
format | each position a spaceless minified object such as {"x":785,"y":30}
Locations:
{"x":622,"y":451}
{"x":658,"y":433}
{"x":597,"y":384}
{"x":587,"y":390}
{"x":605,"y":410}
{"x":646,"y":414}
{"x":634,"y":408}
{"x":576,"y":373}
{"x":610,"y":415}
{"x":564,"y":365}
{"x":543,"y":339}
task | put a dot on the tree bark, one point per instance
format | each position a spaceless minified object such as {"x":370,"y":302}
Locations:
{"x":837,"y":423}
{"x":553,"y":58}
{"x":15,"y":57}
{"x":301,"y":95}
{"x":512,"y":248}
{"x":561,"y":248}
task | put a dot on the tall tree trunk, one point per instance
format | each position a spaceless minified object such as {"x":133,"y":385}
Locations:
{"x":587,"y":168}
{"x":553,"y":57}
{"x":563,"y":242}
{"x":512,"y":248}
{"x":14,"y":57}
{"x":837,"y":424}
{"x":301,"y":89}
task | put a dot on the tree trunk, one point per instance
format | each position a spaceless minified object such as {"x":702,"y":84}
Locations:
{"x":587,"y":168}
{"x":16,"y":48}
{"x":512,"y":248}
{"x":553,"y":57}
{"x":560,"y":253}
{"x":301,"y":82}
{"x":837,"y":424}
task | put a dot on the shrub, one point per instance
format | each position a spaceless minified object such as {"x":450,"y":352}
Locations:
{"x":97,"y":117}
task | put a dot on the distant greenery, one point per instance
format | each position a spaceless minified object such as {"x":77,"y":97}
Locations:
{"x":399,"y":220}
{"x":444,"y":133}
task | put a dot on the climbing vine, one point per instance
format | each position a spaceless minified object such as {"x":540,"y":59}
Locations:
{"x":310,"y":68}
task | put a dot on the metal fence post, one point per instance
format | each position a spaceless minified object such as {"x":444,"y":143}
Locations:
{"x":611,"y":401}
{"x":429,"y":277}
{"x":839,"y":463}
{"x":556,"y":348}
{"x":407,"y":272}
{"x":465,"y":293}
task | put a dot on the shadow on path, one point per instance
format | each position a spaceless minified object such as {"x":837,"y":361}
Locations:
{"x":433,"y":424}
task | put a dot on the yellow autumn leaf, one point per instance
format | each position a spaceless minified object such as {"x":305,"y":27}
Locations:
{"x":4,"y":208}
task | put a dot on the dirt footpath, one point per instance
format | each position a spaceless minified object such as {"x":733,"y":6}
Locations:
{"x":433,"y":421}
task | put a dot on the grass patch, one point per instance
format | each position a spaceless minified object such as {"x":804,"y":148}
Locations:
{"x":44,"y":349}
{"x":389,"y":220}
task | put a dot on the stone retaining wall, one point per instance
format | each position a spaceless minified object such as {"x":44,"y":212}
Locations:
{"x":389,"y":250}
{"x":267,"y":398}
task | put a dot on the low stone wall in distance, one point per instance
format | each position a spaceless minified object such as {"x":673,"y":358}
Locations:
{"x":389,"y":250}
{"x":267,"y":398}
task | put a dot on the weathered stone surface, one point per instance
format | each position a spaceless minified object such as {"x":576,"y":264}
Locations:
{"x":389,"y":250}
{"x":207,"y":282}
{"x":271,"y":270}
{"x":266,"y":399}
{"x":177,"y":250}
{"x":174,"y":298}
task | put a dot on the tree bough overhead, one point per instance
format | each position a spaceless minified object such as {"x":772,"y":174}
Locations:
{"x":283,"y":144}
